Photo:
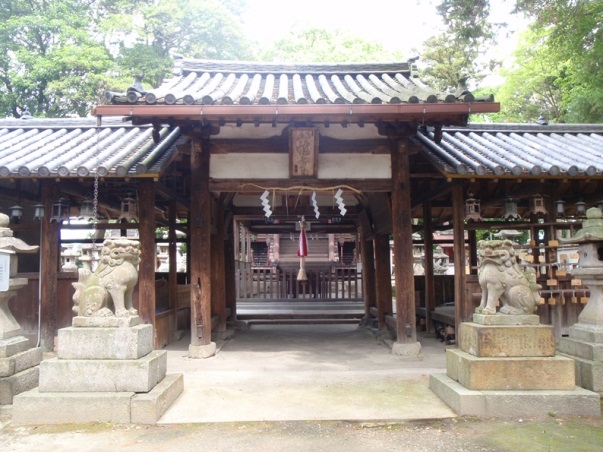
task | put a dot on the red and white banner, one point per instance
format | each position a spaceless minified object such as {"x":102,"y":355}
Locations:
{"x":302,"y":248}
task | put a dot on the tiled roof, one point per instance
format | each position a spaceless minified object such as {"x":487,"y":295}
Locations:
{"x":249,"y":83}
{"x":78,"y":148}
{"x":517,"y":150}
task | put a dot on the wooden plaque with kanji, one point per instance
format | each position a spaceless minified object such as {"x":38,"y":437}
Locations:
{"x":303,"y":152}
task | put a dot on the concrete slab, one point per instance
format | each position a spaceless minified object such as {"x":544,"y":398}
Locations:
{"x":305,"y":372}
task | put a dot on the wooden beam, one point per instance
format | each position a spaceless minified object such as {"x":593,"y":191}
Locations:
{"x":218,"y":298}
{"x":428,"y":266}
{"x":49,"y":249}
{"x":368,"y":274}
{"x":230,"y":270}
{"x":146,"y":268}
{"x":402,"y":233}
{"x":173,"y":263}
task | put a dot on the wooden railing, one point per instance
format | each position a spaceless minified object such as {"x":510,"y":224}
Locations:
{"x":335,"y":283}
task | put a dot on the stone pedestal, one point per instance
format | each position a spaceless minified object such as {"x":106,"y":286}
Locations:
{"x":585,"y":346}
{"x":506,"y":365}
{"x":101,"y":373}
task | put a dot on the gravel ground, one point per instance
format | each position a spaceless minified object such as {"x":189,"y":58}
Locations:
{"x":454,"y":434}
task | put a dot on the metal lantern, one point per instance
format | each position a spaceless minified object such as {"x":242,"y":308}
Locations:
{"x":580,"y":208}
{"x":511,"y":210}
{"x":472,"y":209}
{"x":537,"y":205}
{"x":560,"y":206}
{"x":87,"y":209}
{"x":60,"y":211}
{"x":129,"y":209}
{"x":38,"y":212}
{"x":16,"y":213}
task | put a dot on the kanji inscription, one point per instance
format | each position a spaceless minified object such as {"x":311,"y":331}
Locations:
{"x":303,"y":152}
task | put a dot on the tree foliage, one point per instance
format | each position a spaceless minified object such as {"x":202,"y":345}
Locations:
{"x":319,"y":45}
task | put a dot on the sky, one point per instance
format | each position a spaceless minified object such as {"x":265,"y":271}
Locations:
{"x":398,"y":24}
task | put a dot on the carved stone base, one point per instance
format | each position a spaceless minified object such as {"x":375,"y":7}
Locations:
{"x":503,"y":319}
{"x":105,"y":322}
{"x":105,"y":343}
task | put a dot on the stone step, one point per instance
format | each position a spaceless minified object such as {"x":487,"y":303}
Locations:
{"x":581,"y":349}
{"x":589,"y":374}
{"x":78,"y":375}
{"x":149,"y":407}
{"x":20,"y":362}
{"x":515,"y":403}
{"x":13,"y":345}
{"x":512,"y":373}
{"x":18,"y":383}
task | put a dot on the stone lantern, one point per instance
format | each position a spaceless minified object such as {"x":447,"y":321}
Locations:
{"x":585,"y":341}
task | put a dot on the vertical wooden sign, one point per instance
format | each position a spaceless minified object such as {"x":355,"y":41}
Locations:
{"x":303,"y":152}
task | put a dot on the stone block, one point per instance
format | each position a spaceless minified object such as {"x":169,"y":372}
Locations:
{"x":513,"y":373}
{"x":34,"y":407}
{"x":538,"y":403}
{"x":512,"y":340}
{"x":589,"y":374}
{"x":18,"y":383}
{"x":581,"y":349}
{"x":409,"y":350}
{"x":586,"y":333}
{"x":149,"y":407}
{"x":20,"y":361}
{"x":504,"y":319}
{"x":202,"y":351}
{"x":13,"y":345}
{"x":105,"y":343}
{"x":78,"y":375}
{"x":105,"y":322}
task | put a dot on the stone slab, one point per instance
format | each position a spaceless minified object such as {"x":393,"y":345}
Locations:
{"x":105,"y":343}
{"x":505,"y":319}
{"x":586,"y":333}
{"x":20,"y":361}
{"x":202,"y":351}
{"x":100,"y":375}
{"x":13,"y":345}
{"x":542,"y":403}
{"x":105,"y":322}
{"x":508,"y":340}
{"x":18,"y":383}
{"x":513,"y":373}
{"x":148,"y":408}
{"x":34,"y":407}
{"x":581,"y":349}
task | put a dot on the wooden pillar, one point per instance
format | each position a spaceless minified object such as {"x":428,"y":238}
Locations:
{"x":383,"y":279}
{"x":148,"y":250}
{"x":218,"y":298}
{"x":49,"y":270}
{"x":173,"y":264}
{"x":403,"y":257}
{"x":428,"y":266}
{"x":200,"y":245}
{"x":462,"y":306}
{"x":368,"y":275}
{"x":230,"y":269}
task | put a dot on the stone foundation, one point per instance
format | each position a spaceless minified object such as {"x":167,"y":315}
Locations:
{"x":507,"y":366}
{"x":101,"y":373}
{"x":585,"y":346}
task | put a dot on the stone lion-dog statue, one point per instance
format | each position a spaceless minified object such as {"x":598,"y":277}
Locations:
{"x":113,"y":280}
{"x":501,"y":278}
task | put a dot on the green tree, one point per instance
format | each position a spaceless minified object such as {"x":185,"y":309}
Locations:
{"x":319,"y":45}
{"x":50,"y":63}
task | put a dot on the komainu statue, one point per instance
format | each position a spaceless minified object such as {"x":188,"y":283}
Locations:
{"x":501,"y":278}
{"x":113,"y":280}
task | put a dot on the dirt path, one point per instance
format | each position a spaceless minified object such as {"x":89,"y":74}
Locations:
{"x":455,"y":434}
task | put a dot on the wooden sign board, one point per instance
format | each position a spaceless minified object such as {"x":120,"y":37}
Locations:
{"x":303,"y":152}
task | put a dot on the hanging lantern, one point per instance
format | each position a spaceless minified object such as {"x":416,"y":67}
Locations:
{"x":38,"y":212}
{"x":60,"y":211}
{"x":86,"y":210}
{"x":580,"y":208}
{"x":560,"y":207}
{"x":129,"y":209}
{"x":302,"y":251}
{"x":472,"y":209}
{"x":511,"y":210}
{"x":537,"y":205}
{"x":16,"y":213}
